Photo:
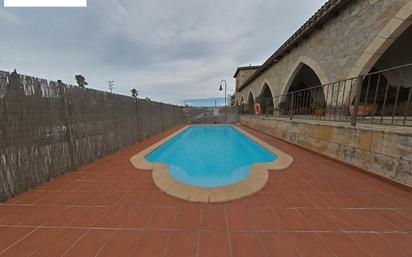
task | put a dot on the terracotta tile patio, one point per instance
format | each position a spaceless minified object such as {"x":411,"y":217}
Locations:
{"x":317,"y":207}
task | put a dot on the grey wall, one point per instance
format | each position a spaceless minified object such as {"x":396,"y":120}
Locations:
{"x":48,"y":129}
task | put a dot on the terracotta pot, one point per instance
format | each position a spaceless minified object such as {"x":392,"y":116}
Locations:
{"x":320,"y":111}
{"x":363,"y":109}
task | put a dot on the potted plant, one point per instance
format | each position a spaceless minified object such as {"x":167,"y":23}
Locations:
{"x":318,"y":108}
{"x":283,"y":107}
{"x":363,"y":109}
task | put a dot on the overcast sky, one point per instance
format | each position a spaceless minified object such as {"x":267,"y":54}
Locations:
{"x":170,"y":50}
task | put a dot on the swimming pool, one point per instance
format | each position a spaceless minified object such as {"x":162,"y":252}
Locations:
{"x":210,"y":156}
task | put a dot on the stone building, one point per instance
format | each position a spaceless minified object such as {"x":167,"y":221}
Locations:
{"x":343,"y":39}
{"x":349,"y":52}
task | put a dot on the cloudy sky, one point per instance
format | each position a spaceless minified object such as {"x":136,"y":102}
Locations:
{"x":170,"y":50}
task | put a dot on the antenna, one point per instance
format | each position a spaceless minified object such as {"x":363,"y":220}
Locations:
{"x":111,"y":85}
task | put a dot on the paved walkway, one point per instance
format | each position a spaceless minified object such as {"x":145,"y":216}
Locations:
{"x":317,"y":207}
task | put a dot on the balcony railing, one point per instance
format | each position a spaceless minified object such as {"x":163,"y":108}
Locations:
{"x":381,"y":97}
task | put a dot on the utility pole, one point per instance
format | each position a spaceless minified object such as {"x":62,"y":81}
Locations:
{"x":111,"y":85}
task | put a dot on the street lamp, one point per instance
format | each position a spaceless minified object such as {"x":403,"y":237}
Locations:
{"x":220,"y":89}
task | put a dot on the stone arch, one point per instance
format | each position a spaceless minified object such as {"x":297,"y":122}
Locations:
{"x":250,"y":97}
{"x":241,"y":105}
{"x":384,"y":39}
{"x":262,"y":87}
{"x":250,"y":104}
{"x":265,"y":98}
{"x":312,"y":64}
{"x":305,"y":74}
{"x":242,"y":100}
{"x":390,"y":48}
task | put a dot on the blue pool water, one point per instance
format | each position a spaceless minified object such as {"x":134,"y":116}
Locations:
{"x":210,"y":156}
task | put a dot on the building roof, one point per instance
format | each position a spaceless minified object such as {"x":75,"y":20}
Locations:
{"x":250,"y":67}
{"x":328,"y":10}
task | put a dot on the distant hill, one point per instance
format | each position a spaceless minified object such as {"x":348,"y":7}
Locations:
{"x":199,"y":102}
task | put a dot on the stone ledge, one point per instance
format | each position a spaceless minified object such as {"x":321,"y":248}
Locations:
{"x":388,"y":155}
{"x":407,"y":131}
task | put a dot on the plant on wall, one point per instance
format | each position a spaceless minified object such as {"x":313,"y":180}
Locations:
{"x":81,"y":80}
{"x":318,"y":108}
{"x":134,"y":93}
{"x":283,"y":107}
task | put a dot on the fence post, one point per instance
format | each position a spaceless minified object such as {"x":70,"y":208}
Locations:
{"x":161,"y":117}
{"x":137,"y":118}
{"x":66,"y":121}
{"x":357,"y":100}
{"x":181,"y":115}
{"x":291,"y":107}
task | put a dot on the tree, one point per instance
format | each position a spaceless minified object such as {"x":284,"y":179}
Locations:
{"x":134,"y":93}
{"x":81,"y":81}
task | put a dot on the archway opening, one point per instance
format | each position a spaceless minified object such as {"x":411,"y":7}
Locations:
{"x":265,"y":99}
{"x":242,"y":105}
{"x":250,"y":106}
{"x":304,"y":93}
{"x":388,"y":91}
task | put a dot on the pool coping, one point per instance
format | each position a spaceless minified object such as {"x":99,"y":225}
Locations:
{"x":256,"y":180}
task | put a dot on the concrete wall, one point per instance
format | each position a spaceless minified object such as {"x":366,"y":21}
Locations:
{"x":345,"y":46}
{"x":387,"y":153}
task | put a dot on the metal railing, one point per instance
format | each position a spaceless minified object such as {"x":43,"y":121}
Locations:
{"x":210,"y":115}
{"x":381,"y":97}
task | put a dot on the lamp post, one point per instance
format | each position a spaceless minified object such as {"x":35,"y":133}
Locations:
{"x":220,"y":89}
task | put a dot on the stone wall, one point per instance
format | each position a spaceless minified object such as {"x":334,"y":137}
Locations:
{"x":387,"y":153}
{"x":243,"y":75}
{"x":340,"y":48}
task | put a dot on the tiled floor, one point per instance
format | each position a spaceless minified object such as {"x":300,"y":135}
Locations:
{"x":317,"y":207}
